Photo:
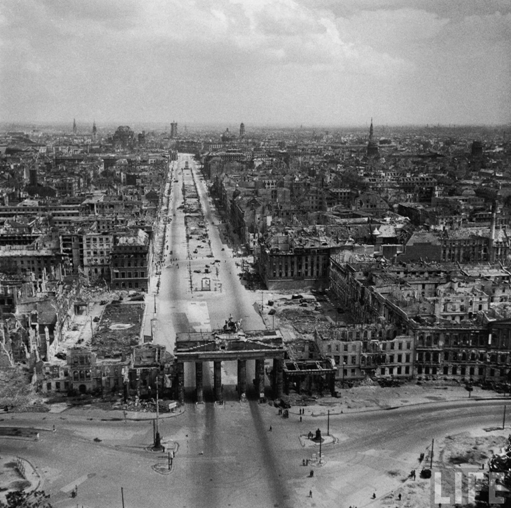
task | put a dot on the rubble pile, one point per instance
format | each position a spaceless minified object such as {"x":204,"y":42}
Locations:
{"x":15,"y":389}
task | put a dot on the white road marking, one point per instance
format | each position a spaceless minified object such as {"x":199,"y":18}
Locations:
{"x":69,"y":487}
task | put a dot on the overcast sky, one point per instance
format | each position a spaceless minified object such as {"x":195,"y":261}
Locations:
{"x":322,"y":62}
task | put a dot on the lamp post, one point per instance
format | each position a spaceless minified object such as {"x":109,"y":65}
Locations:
{"x":157,"y":438}
{"x":157,"y":405}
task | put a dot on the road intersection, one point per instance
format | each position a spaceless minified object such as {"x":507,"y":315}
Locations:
{"x":227,"y":456}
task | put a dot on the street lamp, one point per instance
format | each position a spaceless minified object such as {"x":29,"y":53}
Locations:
{"x":320,"y":439}
{"x":157,"y":438}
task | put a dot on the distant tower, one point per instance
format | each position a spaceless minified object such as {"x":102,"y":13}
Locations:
{"x":74,"y":126}
{"x":372,"y":147}
{"x":94,"y":130}
{"x":33,"y":177}
{"x":173,"y":130}
{"x":242,"y":130}
{"x":476,"y":149}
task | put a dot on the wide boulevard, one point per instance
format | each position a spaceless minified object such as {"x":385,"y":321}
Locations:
{"x":227,"y":456}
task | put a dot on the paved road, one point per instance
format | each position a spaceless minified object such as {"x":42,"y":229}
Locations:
{"x":178,"y":308}
{"x":227,"y":457}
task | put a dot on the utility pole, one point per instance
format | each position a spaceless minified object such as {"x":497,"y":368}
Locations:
{"x":157,"y":405}
{"x":504,"y":418}
{"x":432,"y":448}
{"x":122,"y":497}
{"x":328,"y":423}
{"x":157,"y":438}
{"x":154,"y":304}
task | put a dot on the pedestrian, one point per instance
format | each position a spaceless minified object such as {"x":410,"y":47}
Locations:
{"x":310,"y":493}
{"x":270,"y":428}
{"x":54,"y":430}
{"x":374,"y":495}
{"x":399,"y":497}
{"x":311,"y":474}
{"x":300,"y":418}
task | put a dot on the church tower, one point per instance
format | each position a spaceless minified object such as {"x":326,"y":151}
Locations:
{"x":372,"y":147}
{"x":173,"y":130}
{"x":74,"y":126}
{"x":242,"y":130}
{"x":94,"y":130}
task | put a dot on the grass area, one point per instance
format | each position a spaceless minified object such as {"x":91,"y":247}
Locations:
{"x":110,"y":342}
{"x":17,"y":432}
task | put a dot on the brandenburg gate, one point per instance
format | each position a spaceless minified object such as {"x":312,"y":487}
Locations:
{"x":229,"y":344}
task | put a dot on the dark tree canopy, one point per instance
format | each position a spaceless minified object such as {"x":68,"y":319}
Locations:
{"x":20,"y":499}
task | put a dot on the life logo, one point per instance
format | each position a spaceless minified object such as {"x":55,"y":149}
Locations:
{"x":455,"y":487}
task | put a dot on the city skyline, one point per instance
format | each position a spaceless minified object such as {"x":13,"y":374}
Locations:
{"x":288,"y":62}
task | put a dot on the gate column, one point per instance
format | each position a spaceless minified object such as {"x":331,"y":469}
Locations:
{"x":180,"y":382}
{"x":242,"y":378}
{"x":259,"y":378}
{"x":217,"y":380}
{"x":199,"y":382}
{"x":279,"y":377}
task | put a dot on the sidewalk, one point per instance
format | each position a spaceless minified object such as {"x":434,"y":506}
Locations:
{"x":89,"y":411}
{"x":374,"y":398}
